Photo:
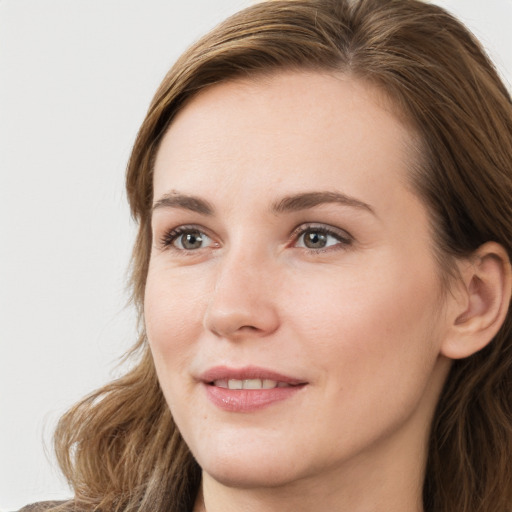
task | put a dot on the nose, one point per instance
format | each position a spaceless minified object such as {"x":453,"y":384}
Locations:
{"x":242,"y":303}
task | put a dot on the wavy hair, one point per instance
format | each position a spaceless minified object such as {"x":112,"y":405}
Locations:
{"x":119,"y":447}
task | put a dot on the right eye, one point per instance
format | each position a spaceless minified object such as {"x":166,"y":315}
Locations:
{"x":186,"y":239}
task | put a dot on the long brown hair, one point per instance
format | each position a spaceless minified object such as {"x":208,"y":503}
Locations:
{"x":119,"y":447}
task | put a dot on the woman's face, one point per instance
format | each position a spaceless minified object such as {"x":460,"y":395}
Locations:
{"x":290,"y":258}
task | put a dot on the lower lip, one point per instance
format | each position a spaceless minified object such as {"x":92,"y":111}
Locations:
{"x":248,"y":400}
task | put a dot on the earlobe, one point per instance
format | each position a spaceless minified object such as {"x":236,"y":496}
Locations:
{"x":482,"y":303}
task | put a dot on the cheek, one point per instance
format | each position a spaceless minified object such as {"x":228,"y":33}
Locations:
{"x":375,"y":323}
{"x":173,"y":311}
{"x":371,"y":339}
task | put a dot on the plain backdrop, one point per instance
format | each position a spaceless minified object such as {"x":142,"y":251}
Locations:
{"x":76,"y":77}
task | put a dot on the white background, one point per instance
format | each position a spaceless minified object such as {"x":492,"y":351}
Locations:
{"x":76,"y":77}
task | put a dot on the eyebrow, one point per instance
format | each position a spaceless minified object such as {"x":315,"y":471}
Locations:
{"x":177,"y":200}
{"x":307,"y":200}
{"x":293,"y":203}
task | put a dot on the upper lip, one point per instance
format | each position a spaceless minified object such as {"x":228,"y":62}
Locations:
{"x":247,"y":372}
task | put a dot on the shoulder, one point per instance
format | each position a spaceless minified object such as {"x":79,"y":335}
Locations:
{"x":42,"y":506}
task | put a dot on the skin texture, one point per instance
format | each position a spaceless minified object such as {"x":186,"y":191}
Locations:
{"x":362,"y":321}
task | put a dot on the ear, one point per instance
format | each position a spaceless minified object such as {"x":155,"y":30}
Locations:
{"x":480,"y":302}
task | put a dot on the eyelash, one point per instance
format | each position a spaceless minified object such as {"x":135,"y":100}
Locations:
{"x":344,"y":239}
{"x":169,"y":238}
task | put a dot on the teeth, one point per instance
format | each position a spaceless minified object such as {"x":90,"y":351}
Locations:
{"x":252,"y":384}
{"x":235,"y":384}
{"x":269,"y":384}
{"x":249,"y":384}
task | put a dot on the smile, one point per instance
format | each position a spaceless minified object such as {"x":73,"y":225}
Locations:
{"x":250,"y":384}
{"x":248,"y":389}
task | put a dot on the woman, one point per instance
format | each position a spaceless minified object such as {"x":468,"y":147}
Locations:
{"x":322,"y":271}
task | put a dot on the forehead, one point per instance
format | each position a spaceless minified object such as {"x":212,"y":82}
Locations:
{"x":291,"y":129}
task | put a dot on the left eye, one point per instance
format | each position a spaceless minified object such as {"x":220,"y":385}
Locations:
{"x":188,"y":240}
{"x":318,"y":238}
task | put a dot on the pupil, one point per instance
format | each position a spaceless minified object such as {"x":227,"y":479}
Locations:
{"x":192,"y":240}
{"x":315,"y":240}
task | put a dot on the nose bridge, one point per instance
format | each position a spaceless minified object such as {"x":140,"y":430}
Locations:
{"x":242,"y":301}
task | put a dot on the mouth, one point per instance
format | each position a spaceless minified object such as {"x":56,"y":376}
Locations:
{"x":248,"y":389}
{"x":248,"y":377}
{"x":250,"y":384}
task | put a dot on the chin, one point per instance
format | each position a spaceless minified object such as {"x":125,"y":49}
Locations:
{"x":249,"y":468}
{"x":246,"y":476}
